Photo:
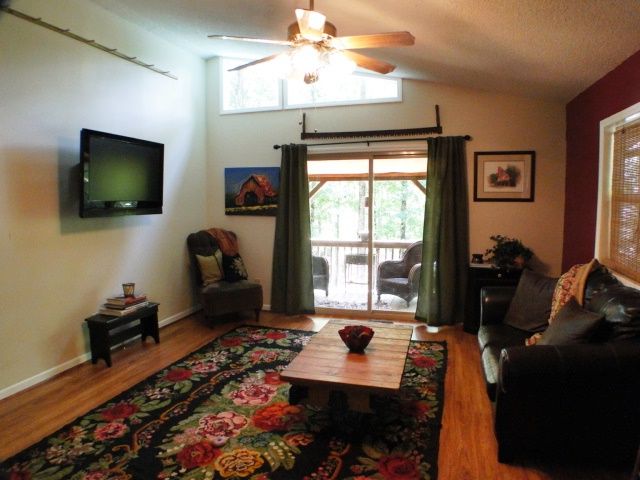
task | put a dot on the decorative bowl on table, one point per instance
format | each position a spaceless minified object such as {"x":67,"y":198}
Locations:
{"x":356,"y":337}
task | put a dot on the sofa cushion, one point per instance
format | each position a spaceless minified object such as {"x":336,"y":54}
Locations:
{"x":501,"y":336}
{"x":599,"y":279}
{"x":531,"y":304}
{"x":572,"y":325}
{"x":210,"y":267}
{"x":571,"y":284}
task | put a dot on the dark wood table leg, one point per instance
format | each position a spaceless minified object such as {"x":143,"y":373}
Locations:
{"x":150,"y":327}
{"x":102,"y":344}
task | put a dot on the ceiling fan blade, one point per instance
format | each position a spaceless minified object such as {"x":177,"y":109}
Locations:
{"x":376,"y":40}
{"x":369,"y":63}
{"x":255,"y":62}
{"x":249,"y":39}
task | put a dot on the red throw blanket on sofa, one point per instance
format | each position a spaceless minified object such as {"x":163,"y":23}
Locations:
{"x":227,"y":241}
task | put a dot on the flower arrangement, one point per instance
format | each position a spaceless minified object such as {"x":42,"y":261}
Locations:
{"x":508,"y":252}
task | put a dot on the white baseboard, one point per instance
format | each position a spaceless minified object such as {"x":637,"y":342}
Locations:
{"x":42,"y":376}
{"x":178,"y":316}
{"x":52,"y":372}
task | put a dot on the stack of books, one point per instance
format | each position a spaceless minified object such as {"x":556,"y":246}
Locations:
{"x":119,"y":305}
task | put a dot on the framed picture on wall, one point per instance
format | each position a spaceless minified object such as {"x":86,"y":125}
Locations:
{"x":504,"y":176}
{"x":251,"y":191}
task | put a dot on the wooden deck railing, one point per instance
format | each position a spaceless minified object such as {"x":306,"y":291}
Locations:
{"x":348,"y":259}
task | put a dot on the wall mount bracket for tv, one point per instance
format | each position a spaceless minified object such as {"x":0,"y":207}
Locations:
{"x":403,"y":132}
{"x":92,"y":43}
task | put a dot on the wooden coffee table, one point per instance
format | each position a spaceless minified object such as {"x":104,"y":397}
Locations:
{"x":325,"y":365}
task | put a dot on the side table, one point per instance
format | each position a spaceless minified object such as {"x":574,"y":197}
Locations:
{"x":356,"y":260}
{"x":105,"y":331}
{"x":483,"y":275}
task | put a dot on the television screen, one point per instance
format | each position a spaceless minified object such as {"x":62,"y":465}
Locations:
{"x":120,"y":175}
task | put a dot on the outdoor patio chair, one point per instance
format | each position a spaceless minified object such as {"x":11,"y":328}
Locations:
{"x":401,"y":277}
{"x":320,"y":268}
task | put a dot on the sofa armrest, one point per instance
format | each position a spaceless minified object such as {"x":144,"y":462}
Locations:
{"x":494,"y":303}
{"x":581,"y":399}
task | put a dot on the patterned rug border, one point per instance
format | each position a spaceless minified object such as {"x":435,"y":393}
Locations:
{"x":123,"y":394}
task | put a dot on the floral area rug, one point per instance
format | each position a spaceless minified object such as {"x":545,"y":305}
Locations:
{"x":222,"y":412}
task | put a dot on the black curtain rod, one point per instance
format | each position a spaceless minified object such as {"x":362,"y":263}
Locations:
{"x":276,"y":147}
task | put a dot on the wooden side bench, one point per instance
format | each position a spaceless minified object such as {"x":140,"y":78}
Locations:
{"x":105,"y":331}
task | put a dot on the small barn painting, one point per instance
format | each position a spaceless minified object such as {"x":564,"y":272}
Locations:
{"x":251,"y":191}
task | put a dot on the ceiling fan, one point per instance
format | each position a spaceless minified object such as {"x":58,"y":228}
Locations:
{"x":315,"y":48}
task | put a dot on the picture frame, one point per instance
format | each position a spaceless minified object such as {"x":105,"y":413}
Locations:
{"x":251,"y":191}
{"x":507,"y":176}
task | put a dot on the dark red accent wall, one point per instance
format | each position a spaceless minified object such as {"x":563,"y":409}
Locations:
{"x":617,"y":90}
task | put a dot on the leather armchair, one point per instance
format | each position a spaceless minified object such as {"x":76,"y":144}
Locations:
{"x":401,"y":277}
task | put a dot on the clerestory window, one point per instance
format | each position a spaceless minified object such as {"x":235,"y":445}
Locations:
{"x":257,"y":89}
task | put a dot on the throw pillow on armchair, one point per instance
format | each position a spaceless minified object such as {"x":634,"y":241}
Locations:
{"x":234,"y":269}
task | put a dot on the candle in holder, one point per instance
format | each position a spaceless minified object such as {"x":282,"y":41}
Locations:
{"x":128,"y":289}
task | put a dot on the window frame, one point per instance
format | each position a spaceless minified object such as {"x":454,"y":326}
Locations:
{"x":221,"y":108}
{"x":283,"y":94}
{"x":370,"y":153}
{"x":608,"y":126}
{"x":340,"y":103}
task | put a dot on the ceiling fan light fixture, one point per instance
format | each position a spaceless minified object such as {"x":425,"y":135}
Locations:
{"x":311,"y":62}
{"x":337,"y":64}
{"x":306,"y":58}
{"x":311,"y":24}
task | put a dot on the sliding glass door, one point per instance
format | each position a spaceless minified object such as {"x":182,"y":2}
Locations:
{"x":367,"y":210}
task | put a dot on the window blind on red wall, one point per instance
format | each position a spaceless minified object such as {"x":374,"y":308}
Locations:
{"x":624,"y":248}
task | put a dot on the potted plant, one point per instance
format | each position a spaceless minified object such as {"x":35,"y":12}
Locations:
{"x":508,"y":252}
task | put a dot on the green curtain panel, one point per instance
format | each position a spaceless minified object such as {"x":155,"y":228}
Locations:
{"x":292,"y":277}
{"x":445,"y":247}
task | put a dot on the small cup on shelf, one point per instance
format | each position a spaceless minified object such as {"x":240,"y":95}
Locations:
{"x":128,"y":289}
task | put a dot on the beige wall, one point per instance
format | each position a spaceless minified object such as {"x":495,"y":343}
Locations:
{"x":55,"y":267}
{"x":496,"y":122}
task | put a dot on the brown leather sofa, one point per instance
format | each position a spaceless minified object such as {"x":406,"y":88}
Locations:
{"x":221,"y":297}
{"x":567,"y":400}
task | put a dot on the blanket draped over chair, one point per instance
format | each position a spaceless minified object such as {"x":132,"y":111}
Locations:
{"x":227,"y":241}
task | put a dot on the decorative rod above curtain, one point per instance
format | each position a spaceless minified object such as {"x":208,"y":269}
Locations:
{"x":466,"y":137}
{"x":400,"y":132}
{"x":371,"y":133}
{"x":92,"y":43}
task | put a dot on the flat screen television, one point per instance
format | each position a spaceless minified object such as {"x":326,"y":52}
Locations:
{"x":120,"y":175}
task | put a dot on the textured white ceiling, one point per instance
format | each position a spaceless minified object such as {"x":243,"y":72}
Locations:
{"x":551,"y":49}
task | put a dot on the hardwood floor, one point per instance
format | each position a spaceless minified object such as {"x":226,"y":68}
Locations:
{"x":467,"y":444}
